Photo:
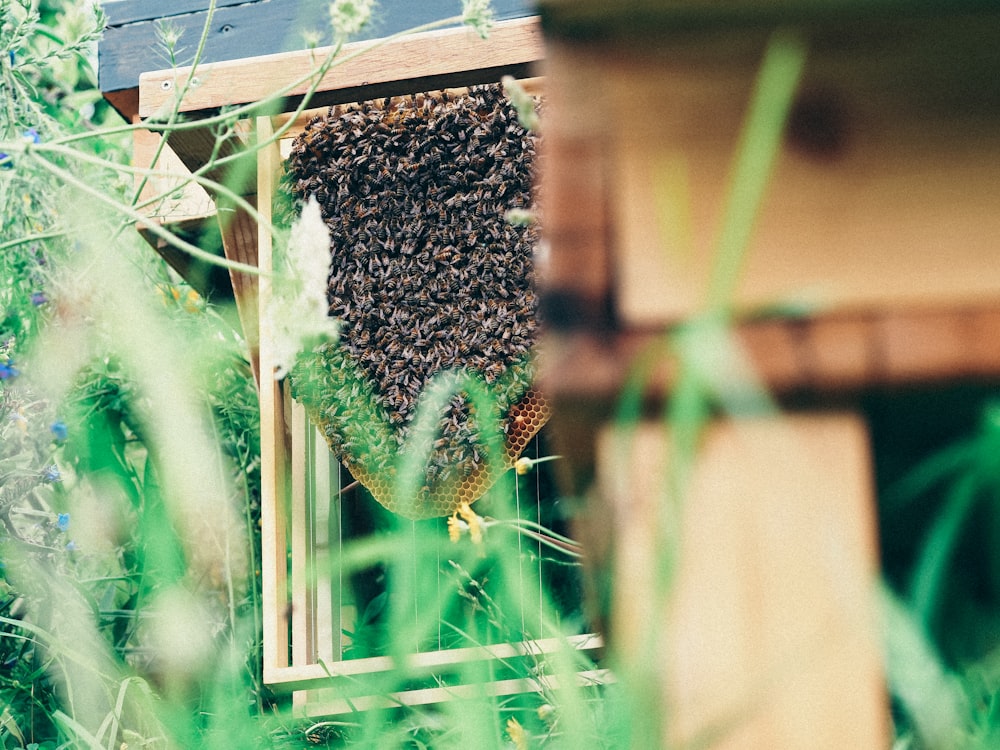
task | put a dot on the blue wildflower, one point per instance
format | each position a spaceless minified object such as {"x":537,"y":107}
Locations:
{"x":62,"y":521}
{"x":71,"y":546}
{"x":12,"y":56}
{"x":5,"y":161}
{"x":38,"y":298}
{"x":31,"y":136}
{"x":7,"y":369}
{"x":51,"y":474}
{"x":59,"y":430}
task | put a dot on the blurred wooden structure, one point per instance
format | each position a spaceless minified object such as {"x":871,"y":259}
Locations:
{"x":873,"y":262}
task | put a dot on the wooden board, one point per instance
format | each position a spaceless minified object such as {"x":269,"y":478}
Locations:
{"x":766,"y":635}
{"x":883,"y":194}
{"x":419,"y":62}
{"x":835,"y":355}
{"x":274,"y":470}
{"x":131,"y":44}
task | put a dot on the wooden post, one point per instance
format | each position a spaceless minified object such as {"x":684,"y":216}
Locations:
{"x":273,"y":454}
{"x":766,"y":634}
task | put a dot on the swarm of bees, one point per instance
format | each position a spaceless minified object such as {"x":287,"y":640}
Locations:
{"x":427,"y":276}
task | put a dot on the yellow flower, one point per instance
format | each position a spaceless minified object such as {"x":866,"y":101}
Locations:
{"x":474,"y":521}
{"x":455,"y":527}
{"x":517,"y":734}
{"x":192,"y":301}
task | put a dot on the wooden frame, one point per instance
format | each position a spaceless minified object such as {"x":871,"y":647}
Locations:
{"x":300,"y":654}
{"x":235,"y":26}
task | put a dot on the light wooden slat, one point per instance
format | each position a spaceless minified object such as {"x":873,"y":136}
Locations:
{"x":181,"y":199}
{"x":426,"y":696}
{"x":429,"y":55}
{"x":273,"y":469}
{"x":766,"y":635}
{"x":302,"y":541}
{"x":326,"y":522}
{"x":294,"y":678}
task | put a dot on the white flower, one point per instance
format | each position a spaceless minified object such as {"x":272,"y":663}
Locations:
{"x":296,"y":317}
{"x":479,"y":15}
{"x":349,"y":16}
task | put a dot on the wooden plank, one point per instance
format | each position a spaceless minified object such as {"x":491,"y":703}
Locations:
{"x":302,"y":542}
{"x":195,"y":146}
{"x":131,"y":44}
{"x":822,"y":355}
{"x":177,"y":197}
{"x":239,"y":241}
{"x":575,"y":184}
{"x":273,"y":468}
{"x":323,"y":705}
{"x":883,"y":195}
{"x":766,"y":636}
{"x":122,"y":12}
{"x":301,"y":677}
{"x":431,"y":60}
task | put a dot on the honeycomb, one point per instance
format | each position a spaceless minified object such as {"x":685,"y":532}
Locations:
{"x":427,"y":276}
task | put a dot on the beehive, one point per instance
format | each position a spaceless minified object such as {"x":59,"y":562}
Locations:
{"x":428,"y":276}
{"x":305,"y":607}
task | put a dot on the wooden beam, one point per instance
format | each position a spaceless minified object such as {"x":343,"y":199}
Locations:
{"x":450,"y":57}
{"x":827,"y":355}
{"x":312,"y":676}
{"x":273,"y":458}
{"x":331,"y":705}
{"x":132,"y":42}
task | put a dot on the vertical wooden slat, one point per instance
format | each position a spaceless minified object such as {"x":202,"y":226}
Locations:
{"x":303,"y":567}
{"x":765,"y":636}
{"x":325,"y":533}
{"x":575,"y":180}
{"x":274,"y":576}
{"x":239,"y":243}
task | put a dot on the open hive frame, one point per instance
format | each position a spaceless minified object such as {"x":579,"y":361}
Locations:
{"x":300,"y":478}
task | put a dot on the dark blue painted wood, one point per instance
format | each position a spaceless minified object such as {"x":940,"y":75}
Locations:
{"x":242,"y":28}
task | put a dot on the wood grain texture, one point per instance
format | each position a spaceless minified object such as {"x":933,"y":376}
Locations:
{"x":176,"y":198}
{"x":402,"y":65}
{"x":766,"y":636}
{"x":240,"y":243}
